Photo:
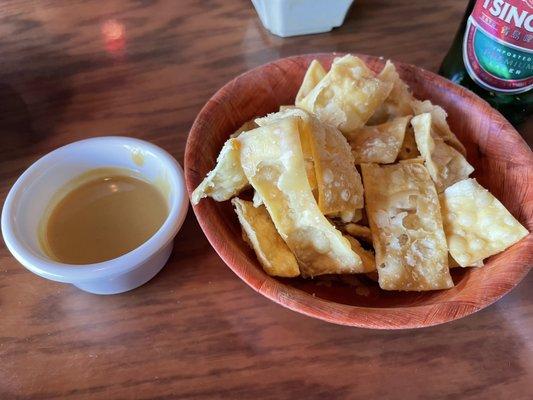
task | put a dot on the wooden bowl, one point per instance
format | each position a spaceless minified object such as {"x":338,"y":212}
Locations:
{"x":503,"y":163}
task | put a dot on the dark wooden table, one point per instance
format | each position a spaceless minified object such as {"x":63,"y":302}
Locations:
{"x":197,"y":331}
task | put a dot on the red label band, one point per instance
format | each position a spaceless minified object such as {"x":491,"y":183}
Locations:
{"x":508,"y":20}
{"x":498,"y":45}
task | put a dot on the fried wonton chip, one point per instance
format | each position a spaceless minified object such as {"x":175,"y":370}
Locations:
{"x":380,"y":143}
{"x":445,"y":164}
{"x":247,"y":126}
{"x":405,"y":220}
{"x":479,"y":263}
{"x":284,"y":108}
{"x":359,"y":232}
{"x":355,"y":217}
{"x":288,"y":112}
{"x":399,"y":101}
{"x":438,"y":116}
{"x":313,"y":75}
{"x":257,"y":200}
{"x":477,"y":225}
{"x":400,"y":95}
{"x":453,"y":264}
{"x":349,"y":216}
{"x":271,"y":250}
{"x":408,"y":149}
{"x":339,"y":185}
{"x":226,"y":180}
{"x":291,"y":111}
{"x":417,"y":160}
{"x":273,"y":162}
{"x":340,"y":189}
{"x":367,"y":257}
{"x":348,"y":95}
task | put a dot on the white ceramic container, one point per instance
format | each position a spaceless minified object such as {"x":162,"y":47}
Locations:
{"x":32,"y":192}
{"x":301,"y":17}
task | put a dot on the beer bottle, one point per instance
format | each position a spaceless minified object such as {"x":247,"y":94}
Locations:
{"x":492,"y":55}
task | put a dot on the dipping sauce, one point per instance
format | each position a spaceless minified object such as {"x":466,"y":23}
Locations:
{"x":102,"y":218}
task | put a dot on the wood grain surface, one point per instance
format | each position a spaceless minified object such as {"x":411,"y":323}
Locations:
{"x":76,"y":69}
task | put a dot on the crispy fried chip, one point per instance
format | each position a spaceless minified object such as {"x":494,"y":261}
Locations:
{"x":349,"y":216}
{"x":307,"y":148}
{"x":247,"y":126}
{"x":271,"y":250}
{"x":380,"y":143}
{"x":285,"y":108}
{"x":445,"y":164}
{"x":339,"y":184}
{"x":477,"y":225}
{"x":273,"y":162}
{"x":359,"y":232}
{"x":348,"y":95}
{"x":257,"y":200}
{"x":367,"y":257}
{"x":226,"y":180}
{"x":453,"y":264}
{"x":340,"y":188}
{"x":356,"y":216}
{"x":400,"y":95}
{"x":417,"y":160}
{"x":398,"y":103}
{"x":405,"y":220}
{"x":438,"y":116}
{"x":408,"y":149}
{"x":313,"y":75}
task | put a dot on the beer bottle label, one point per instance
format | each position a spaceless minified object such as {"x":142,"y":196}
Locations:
{"x":498,"y":45}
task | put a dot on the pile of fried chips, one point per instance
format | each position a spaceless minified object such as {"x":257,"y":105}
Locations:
{"x":313,"y":214}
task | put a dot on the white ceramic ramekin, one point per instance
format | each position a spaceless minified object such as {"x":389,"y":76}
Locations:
{"x":301,"y":17}
{"x":32,"y":192}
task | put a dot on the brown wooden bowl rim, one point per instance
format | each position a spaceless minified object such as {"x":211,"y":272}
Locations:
{"x":402,"y":317}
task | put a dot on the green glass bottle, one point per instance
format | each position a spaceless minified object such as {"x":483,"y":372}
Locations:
{"x":492,"y":55}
